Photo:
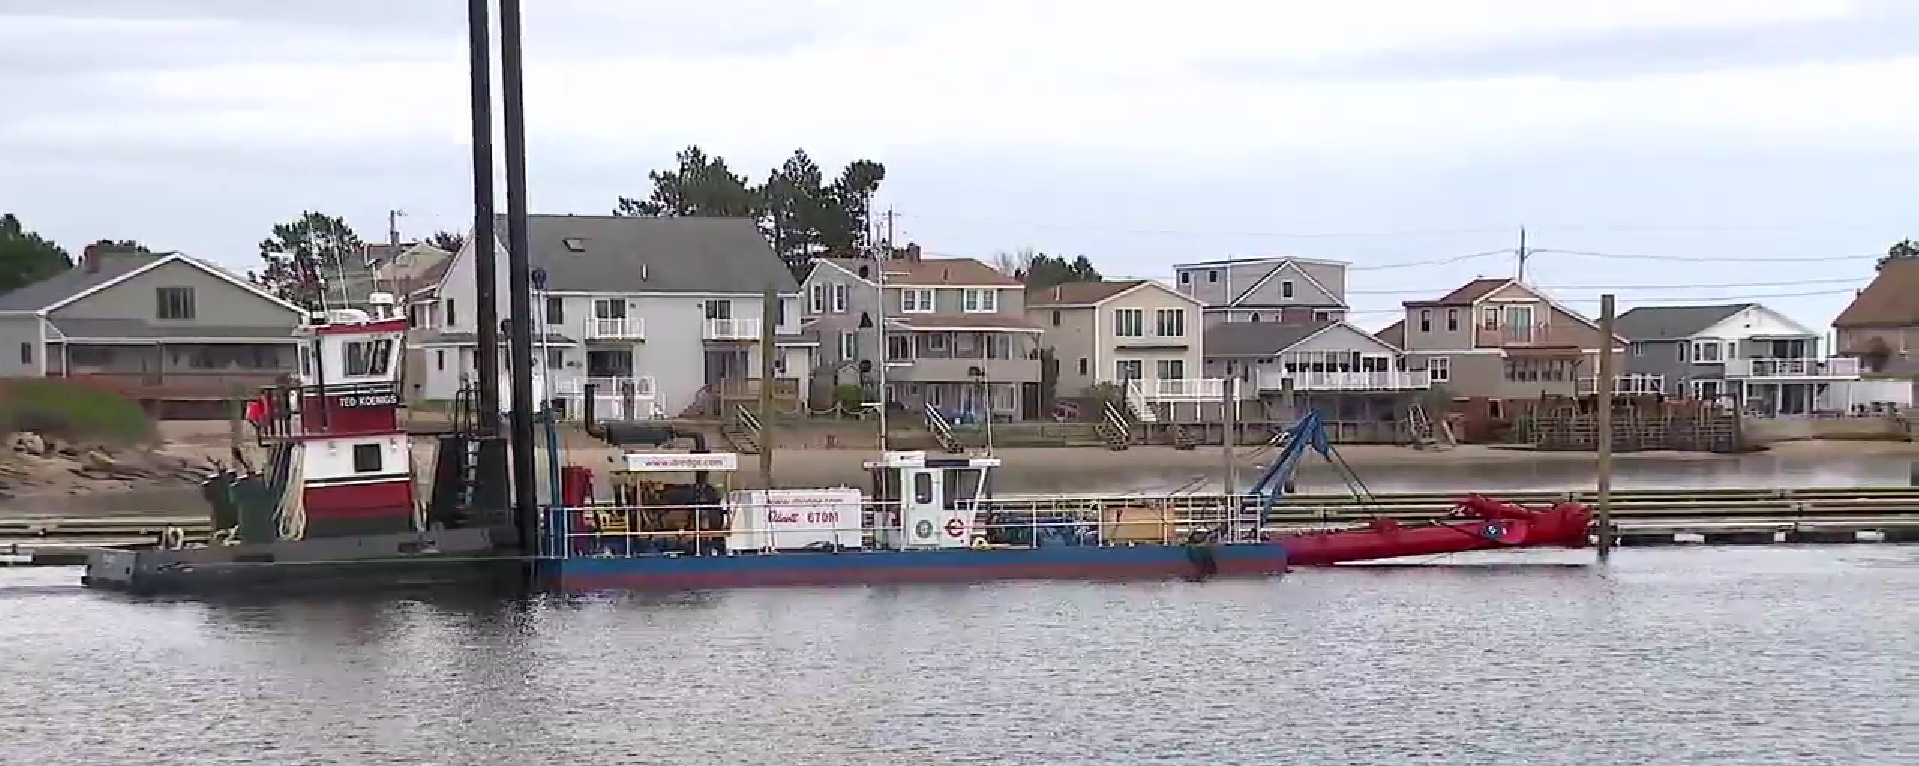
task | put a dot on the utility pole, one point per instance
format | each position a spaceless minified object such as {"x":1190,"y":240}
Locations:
{"x":769,"y":313}
{"x":1605,"y":385}
{"x":393,"y":226}
{"x":1520,"y":277}
{"x":884,"y":254}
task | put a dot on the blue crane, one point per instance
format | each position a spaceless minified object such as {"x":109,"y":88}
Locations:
{"x":1272,"y":484}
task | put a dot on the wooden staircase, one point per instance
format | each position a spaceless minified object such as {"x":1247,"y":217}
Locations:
{"x":1116,"y":429}
{"x":743,"y":431}
{"x":1183,"y":438}
{"x":942,"y":430}
{"x":1426,"y":432}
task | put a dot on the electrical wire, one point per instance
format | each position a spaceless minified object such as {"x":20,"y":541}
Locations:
{"x":1706,"y":259}
{"x":1789,"y":283}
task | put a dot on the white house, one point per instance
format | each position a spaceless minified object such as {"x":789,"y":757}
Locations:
{"x":664,"y":312}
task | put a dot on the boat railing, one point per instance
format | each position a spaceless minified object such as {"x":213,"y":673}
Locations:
{"x":626,"y":531}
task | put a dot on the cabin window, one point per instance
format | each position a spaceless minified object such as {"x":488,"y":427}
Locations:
{"x":923,"y":487}
{"x":368,"y":357}
{"x":174,"y":302}
{"x":366,"y":458}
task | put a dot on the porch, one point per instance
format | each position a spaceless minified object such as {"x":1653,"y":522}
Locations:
{"x":1330,"y":371}
{"x":1624,"y":385}
{"x":961,"y":356}
{"x":177,"y":371}
{"x":1836,"y":368}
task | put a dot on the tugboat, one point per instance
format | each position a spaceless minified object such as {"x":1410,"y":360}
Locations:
{"x":334,"y":504}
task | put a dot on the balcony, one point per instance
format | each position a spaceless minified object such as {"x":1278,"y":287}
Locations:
{"x":951,"y":370}
{"x":179,"y":384}
{"x":1530,"y":334}
{"x":611,"y":396}
{"x":732,"y":329}
{"x":1835,"y":367}
{"x":1382,"y":380}
{"x":1624,"y":385}
{"x":614,"y":328}
{"x":1179,"y":389}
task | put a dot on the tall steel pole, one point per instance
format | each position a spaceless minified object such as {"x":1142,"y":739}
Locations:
{"x":486,"y":309}
{"x":519,"y":274}
{"x":1604,"y":416}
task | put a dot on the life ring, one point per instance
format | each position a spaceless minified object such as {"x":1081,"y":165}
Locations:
{"x":979,"y":543}
{"x":173,"y":538}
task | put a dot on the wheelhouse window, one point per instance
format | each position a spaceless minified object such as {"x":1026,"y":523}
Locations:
{"x":367,"y":458}
{"x":367,"y":358}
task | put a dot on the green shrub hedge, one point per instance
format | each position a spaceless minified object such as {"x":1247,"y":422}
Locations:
{"x":73,"y":411}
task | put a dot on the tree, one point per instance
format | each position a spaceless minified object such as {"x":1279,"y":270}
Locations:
{"x":1904,"y":249}
{"x":699,"y":186}
{"x":450,"y":241}
{"x":1039,"y":270}
{"x":802,"y":213}
{"x":27,"y":257}
{"x":302,"y":253}
{"x":120,"y":246}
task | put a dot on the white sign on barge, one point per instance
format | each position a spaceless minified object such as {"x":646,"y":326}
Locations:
{"x":794,"y":519}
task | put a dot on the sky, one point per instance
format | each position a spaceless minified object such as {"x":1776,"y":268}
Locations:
{"x":1667,"y":151}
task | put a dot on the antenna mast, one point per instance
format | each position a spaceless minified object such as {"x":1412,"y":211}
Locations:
{"x":882,"y":255}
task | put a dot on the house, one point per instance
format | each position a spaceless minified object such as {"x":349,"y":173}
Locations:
{"x":1284,"y":290}
{"x":1135,"y":330}
{"x":956,"y":334}
{"x":1881,"y":326}
{"x":668,"y":310}
{"x":1359,"y":382}
{"x":1498,"y":339}
{"x":1743,"y":353}
{"x":175,"y":332}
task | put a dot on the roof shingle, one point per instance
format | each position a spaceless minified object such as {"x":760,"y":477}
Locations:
{"x":66,"y":284}
{"x":1889,"y":301}
{"x":1257,"y":338}
{"x":1079,"y":293}
{"x":603,"y":253}
{"x":1672,"y":322}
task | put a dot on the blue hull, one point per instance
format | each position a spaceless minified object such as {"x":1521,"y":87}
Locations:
{"x":1142,"y":562}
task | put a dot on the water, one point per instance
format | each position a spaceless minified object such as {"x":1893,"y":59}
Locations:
{"x":1685,"y":657}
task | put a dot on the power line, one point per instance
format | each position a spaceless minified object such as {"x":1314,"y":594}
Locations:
{"x":1535,"y":227}
{"x":1627,"y":288}
{"x":1706,"y":259}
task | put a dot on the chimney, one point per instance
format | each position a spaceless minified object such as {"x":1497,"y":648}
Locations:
{"x":913,"y":252}
{"x":90,"y":258}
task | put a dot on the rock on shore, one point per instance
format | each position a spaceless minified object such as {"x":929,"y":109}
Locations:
{"x":39,"y":465}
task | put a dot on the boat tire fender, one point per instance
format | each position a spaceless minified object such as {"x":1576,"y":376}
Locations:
{"x":979,"y":543}
{"x":1204,"y":559}
{"x":173,"y":538}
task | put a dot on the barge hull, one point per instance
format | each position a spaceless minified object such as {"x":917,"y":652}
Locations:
{"x":470,"y":557}
{"x":1143,"y":562}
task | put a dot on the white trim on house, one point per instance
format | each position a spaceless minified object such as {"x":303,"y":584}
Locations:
{"x":1588,"y":321}
{"x":162,"y":261}
{"x":1244,"y":261}
{"x":1708,"y":332}
{"x":1116,"y":296}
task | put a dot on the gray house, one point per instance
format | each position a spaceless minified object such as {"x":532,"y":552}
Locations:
{"x":956,"y":333}
{"x":1285,"y":290}
{"x":164,"y":328}
{"x":663,"y":312}
{"x":1743,"y":353}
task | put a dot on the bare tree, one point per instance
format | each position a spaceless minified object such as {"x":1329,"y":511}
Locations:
{"x":1015,"y":264}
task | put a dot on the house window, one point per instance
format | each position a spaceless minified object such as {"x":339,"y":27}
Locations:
{"x":1170,"y":369}
{"x":1286,"y":288}
{"x":1489,"y":318}
{"x":1055,"y":317}
{"x":1685,"y":351}
{"x":1425,"y":320}
{"x":1129,"y":323}
{"x":1439,"y":369}
{"x":439,"y":359}
{"x":446,"y":309}
{"x":1452,"y":320}
{"x":173,"y":302}
{"x":1638,"y":349}
{"x":1707,"y":351}
{"x":849,"y":346}
{"x":368,"y":357}
{"x":1171,"y":323}
{"x":916,"y":301}
{"x":556,"y":359}
{"x":1322,"y":316}
{"x":26,"y":353}
{"x":1129,"y":369}
{"x":1254,"y":317}
{"x":555,"y":310}
{"x":975,"y":301}
{"x":816,"y":299}
{"x":842,"y":294}
{"x":1212,"y":275}
{"x":1185,"y":277}
{"x":1082,"y":365}
{"x":899,"y":347}
{"x":367,"y":458}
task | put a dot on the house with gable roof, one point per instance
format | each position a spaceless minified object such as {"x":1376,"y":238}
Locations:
{"x":1742,"y":353}
{"x":955,"y":332}
{"x":167,"y":329}
{"x":1360,"y":382}
{"x":663,"y":313}
{"x":1285,"y":290}
{"x":1499,"y":339}
{"x":1129,"y":331}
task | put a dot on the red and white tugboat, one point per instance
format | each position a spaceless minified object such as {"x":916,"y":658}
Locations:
{"x":334,"y":503}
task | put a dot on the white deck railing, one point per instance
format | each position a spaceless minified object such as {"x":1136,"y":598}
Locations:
{"x":1625,"y":384}
{"x":1834,"y":367}
{"x":732,"y":329}
{"x":615,"y":328}
{"x":1383,"y":380}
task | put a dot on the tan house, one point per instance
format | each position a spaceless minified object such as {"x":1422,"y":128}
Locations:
{"x":1135,"y":330}
{"x":1881,"y":326}
{"x":1499,"y":339}
{"x":955,"y":334}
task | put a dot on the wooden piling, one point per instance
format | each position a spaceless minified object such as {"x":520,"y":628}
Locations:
{"x":1604,"y":415}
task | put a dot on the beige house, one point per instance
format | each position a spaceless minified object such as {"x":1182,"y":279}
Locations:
{"x":1119,"y":331}
{"x":1499,"y":339}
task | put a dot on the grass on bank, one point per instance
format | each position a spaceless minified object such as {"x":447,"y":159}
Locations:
{"x":74,"y":412}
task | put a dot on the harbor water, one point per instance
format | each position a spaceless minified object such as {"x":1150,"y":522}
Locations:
{"x":1689,"y":657}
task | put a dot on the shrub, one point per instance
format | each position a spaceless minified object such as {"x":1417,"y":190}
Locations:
{"x":73,"y":411}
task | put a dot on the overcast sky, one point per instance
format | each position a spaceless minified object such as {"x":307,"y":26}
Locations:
{"x":1379,"y":132}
